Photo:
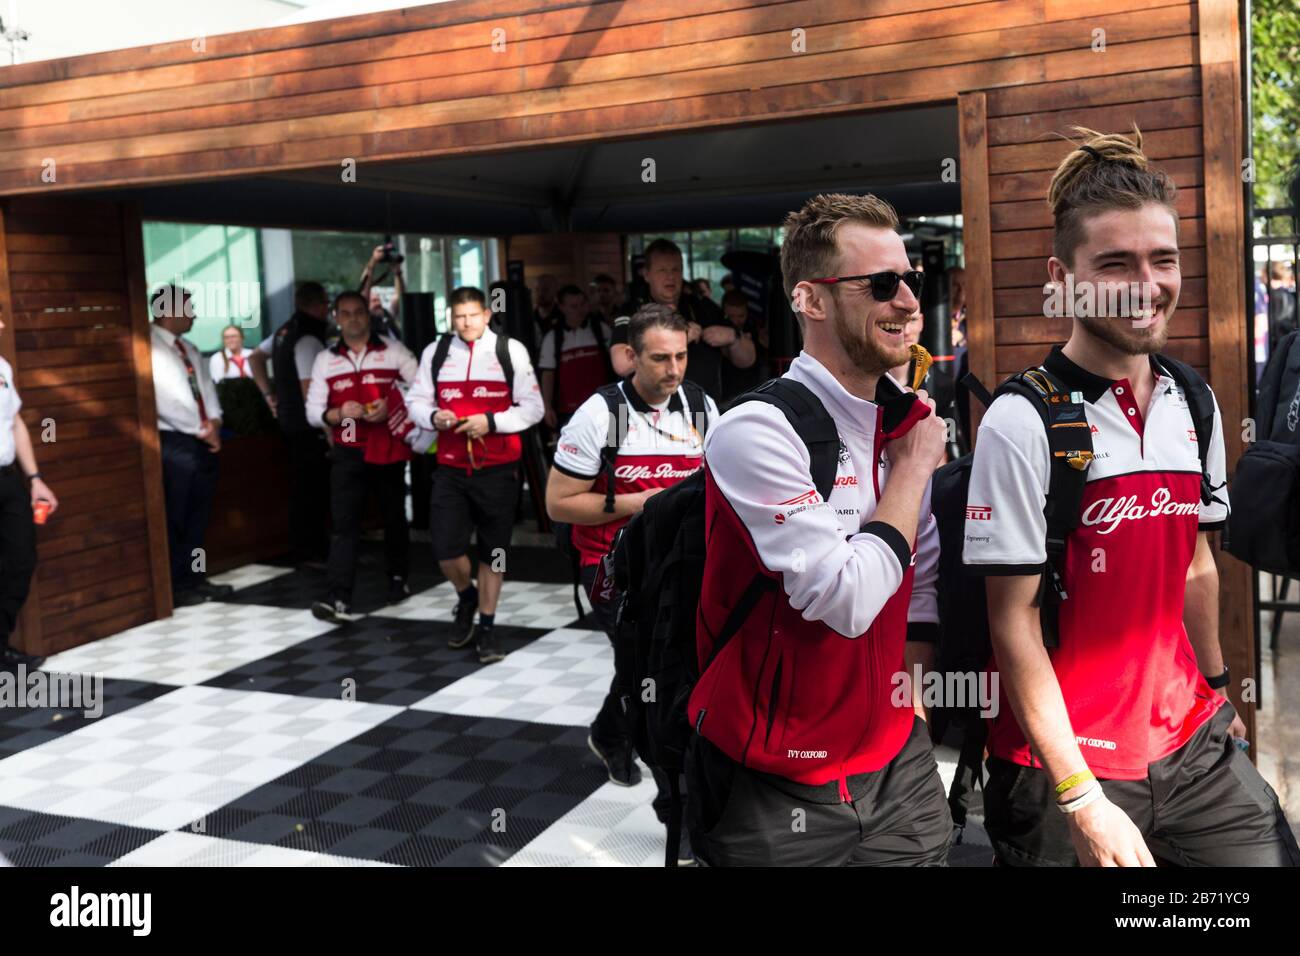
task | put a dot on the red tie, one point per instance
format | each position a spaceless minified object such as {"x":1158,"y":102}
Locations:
{"x":194,"y":379}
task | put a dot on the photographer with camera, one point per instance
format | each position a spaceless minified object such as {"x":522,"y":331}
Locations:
{"x":383,"y":321}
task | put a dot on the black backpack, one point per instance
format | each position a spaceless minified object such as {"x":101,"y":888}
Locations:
{"x":696,"y":405}
{"x":658,"y":561}
{"x":964,"y":643}
{"x":502,"y":351}
{"x":1264,"y":521}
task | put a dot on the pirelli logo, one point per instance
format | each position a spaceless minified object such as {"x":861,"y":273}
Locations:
{"x":979,"y":512}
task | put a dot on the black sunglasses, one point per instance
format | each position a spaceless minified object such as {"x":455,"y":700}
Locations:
{"x":884,"y":285}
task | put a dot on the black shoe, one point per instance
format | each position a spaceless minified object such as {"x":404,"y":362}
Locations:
{"x":464,"y":619}
{"x":618,"y":761}
{"x":187,"y":598}
{"x":486,"y":646}
{"x":398,"y":590}
{"x":214,"y":592}
{"x":685,"y":855}
{"x":11,"y":657}
{"x":337,"y":611}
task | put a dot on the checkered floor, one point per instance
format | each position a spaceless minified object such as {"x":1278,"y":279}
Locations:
{"x":247,"y":733}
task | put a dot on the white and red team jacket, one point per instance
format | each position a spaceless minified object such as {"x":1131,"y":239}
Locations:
{"x":1127,"y":671}
{"x":660,"y":447}
{"x":339,"y":376}
{"x":471,"y":382}
{"x":582,"y":368}
{"x":806,"y":688}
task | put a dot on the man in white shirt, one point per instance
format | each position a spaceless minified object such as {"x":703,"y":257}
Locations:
{"x":801,"y":707}
{"x":189,"y":426}
{"x":479,"y":392}
{"x":661,"y":445}
{"x":17,"y":504}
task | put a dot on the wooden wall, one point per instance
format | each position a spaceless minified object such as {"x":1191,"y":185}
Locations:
{"x":78,"y":339}
{"x":571,"y":257}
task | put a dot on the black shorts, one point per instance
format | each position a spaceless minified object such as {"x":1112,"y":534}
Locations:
{"x":1203,"y":805}
{"x":899,"y":815}
{"x":464,"y":501}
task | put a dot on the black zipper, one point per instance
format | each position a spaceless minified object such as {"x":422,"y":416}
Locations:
{"x":773,"y":700}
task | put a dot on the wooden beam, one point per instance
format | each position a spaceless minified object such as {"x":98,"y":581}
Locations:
{"x":1221,"y":92}
{"x":972,"y":131}
{"x":147,"y":424}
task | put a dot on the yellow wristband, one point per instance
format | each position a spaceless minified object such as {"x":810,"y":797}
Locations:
{"x":1072,"y":781}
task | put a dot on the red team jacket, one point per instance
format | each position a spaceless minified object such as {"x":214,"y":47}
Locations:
{"x":472,"y":381}
{"x":805,"y":688}
{"x":339,"y":376}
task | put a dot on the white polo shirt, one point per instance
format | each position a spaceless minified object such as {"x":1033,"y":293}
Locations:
{"x":10,"y":404}
{"x":1127,"y":670}
{"x":660,"y":446}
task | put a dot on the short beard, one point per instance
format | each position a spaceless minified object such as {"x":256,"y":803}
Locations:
{"x":1129,"y":341}
{"x":861,"y":349}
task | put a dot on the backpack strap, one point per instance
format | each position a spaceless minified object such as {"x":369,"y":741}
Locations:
{"x":614,"y":400}
{"x":596,"y":322}
{"x":507,"y":364}
{"x":439,"y":357}
{"x":811,"y":422}
{"x":1200,"y":401}
{"x":697,"y":404}
{"x":1069,"y":442}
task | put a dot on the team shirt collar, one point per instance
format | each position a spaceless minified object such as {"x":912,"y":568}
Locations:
{"x":641,"y":406}
{"x":375,"y":344}
{"x":1079,"y":379}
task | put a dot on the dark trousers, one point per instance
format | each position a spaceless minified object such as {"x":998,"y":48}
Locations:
{"x":898,"y":815}
{"x":189,"y":484}
{"x":352,"y":481}
{"x":17,"y":548}
{"x":1203,"y":805}
{"x":309,"y":467}
{"x":611,"y":724}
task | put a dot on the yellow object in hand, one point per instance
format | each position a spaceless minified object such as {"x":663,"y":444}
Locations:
{"x":922,"y":360}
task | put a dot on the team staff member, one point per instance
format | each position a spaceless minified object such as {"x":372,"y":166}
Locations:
{"x":795,"y":716}
{"x":232,"y":360}
{"x":479,"y":413}
{"x":604,"y":293}
{"x":660,"y":446}
{"x":737,"y":380}
{"x":352,"y":393}
{"x":712,"y":339}
{"x":1118,"y":727}
{"x":583,"y":363}
{"x":17,"y":532}
{"x":189,"y":426}
{"x":292,"y":351}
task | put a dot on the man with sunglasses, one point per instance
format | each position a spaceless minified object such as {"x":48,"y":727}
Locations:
{"x":811,"y":749}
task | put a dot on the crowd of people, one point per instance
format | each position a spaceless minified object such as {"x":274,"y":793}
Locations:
{"x":1114,"y":742}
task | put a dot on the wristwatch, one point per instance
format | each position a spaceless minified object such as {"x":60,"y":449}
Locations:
{"x":1220,"y":682}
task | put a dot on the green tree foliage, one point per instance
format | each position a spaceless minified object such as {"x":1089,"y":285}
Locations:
{"x":1275,"y":42}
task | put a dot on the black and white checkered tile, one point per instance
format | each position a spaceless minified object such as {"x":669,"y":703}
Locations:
{"x":249,"y":733}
